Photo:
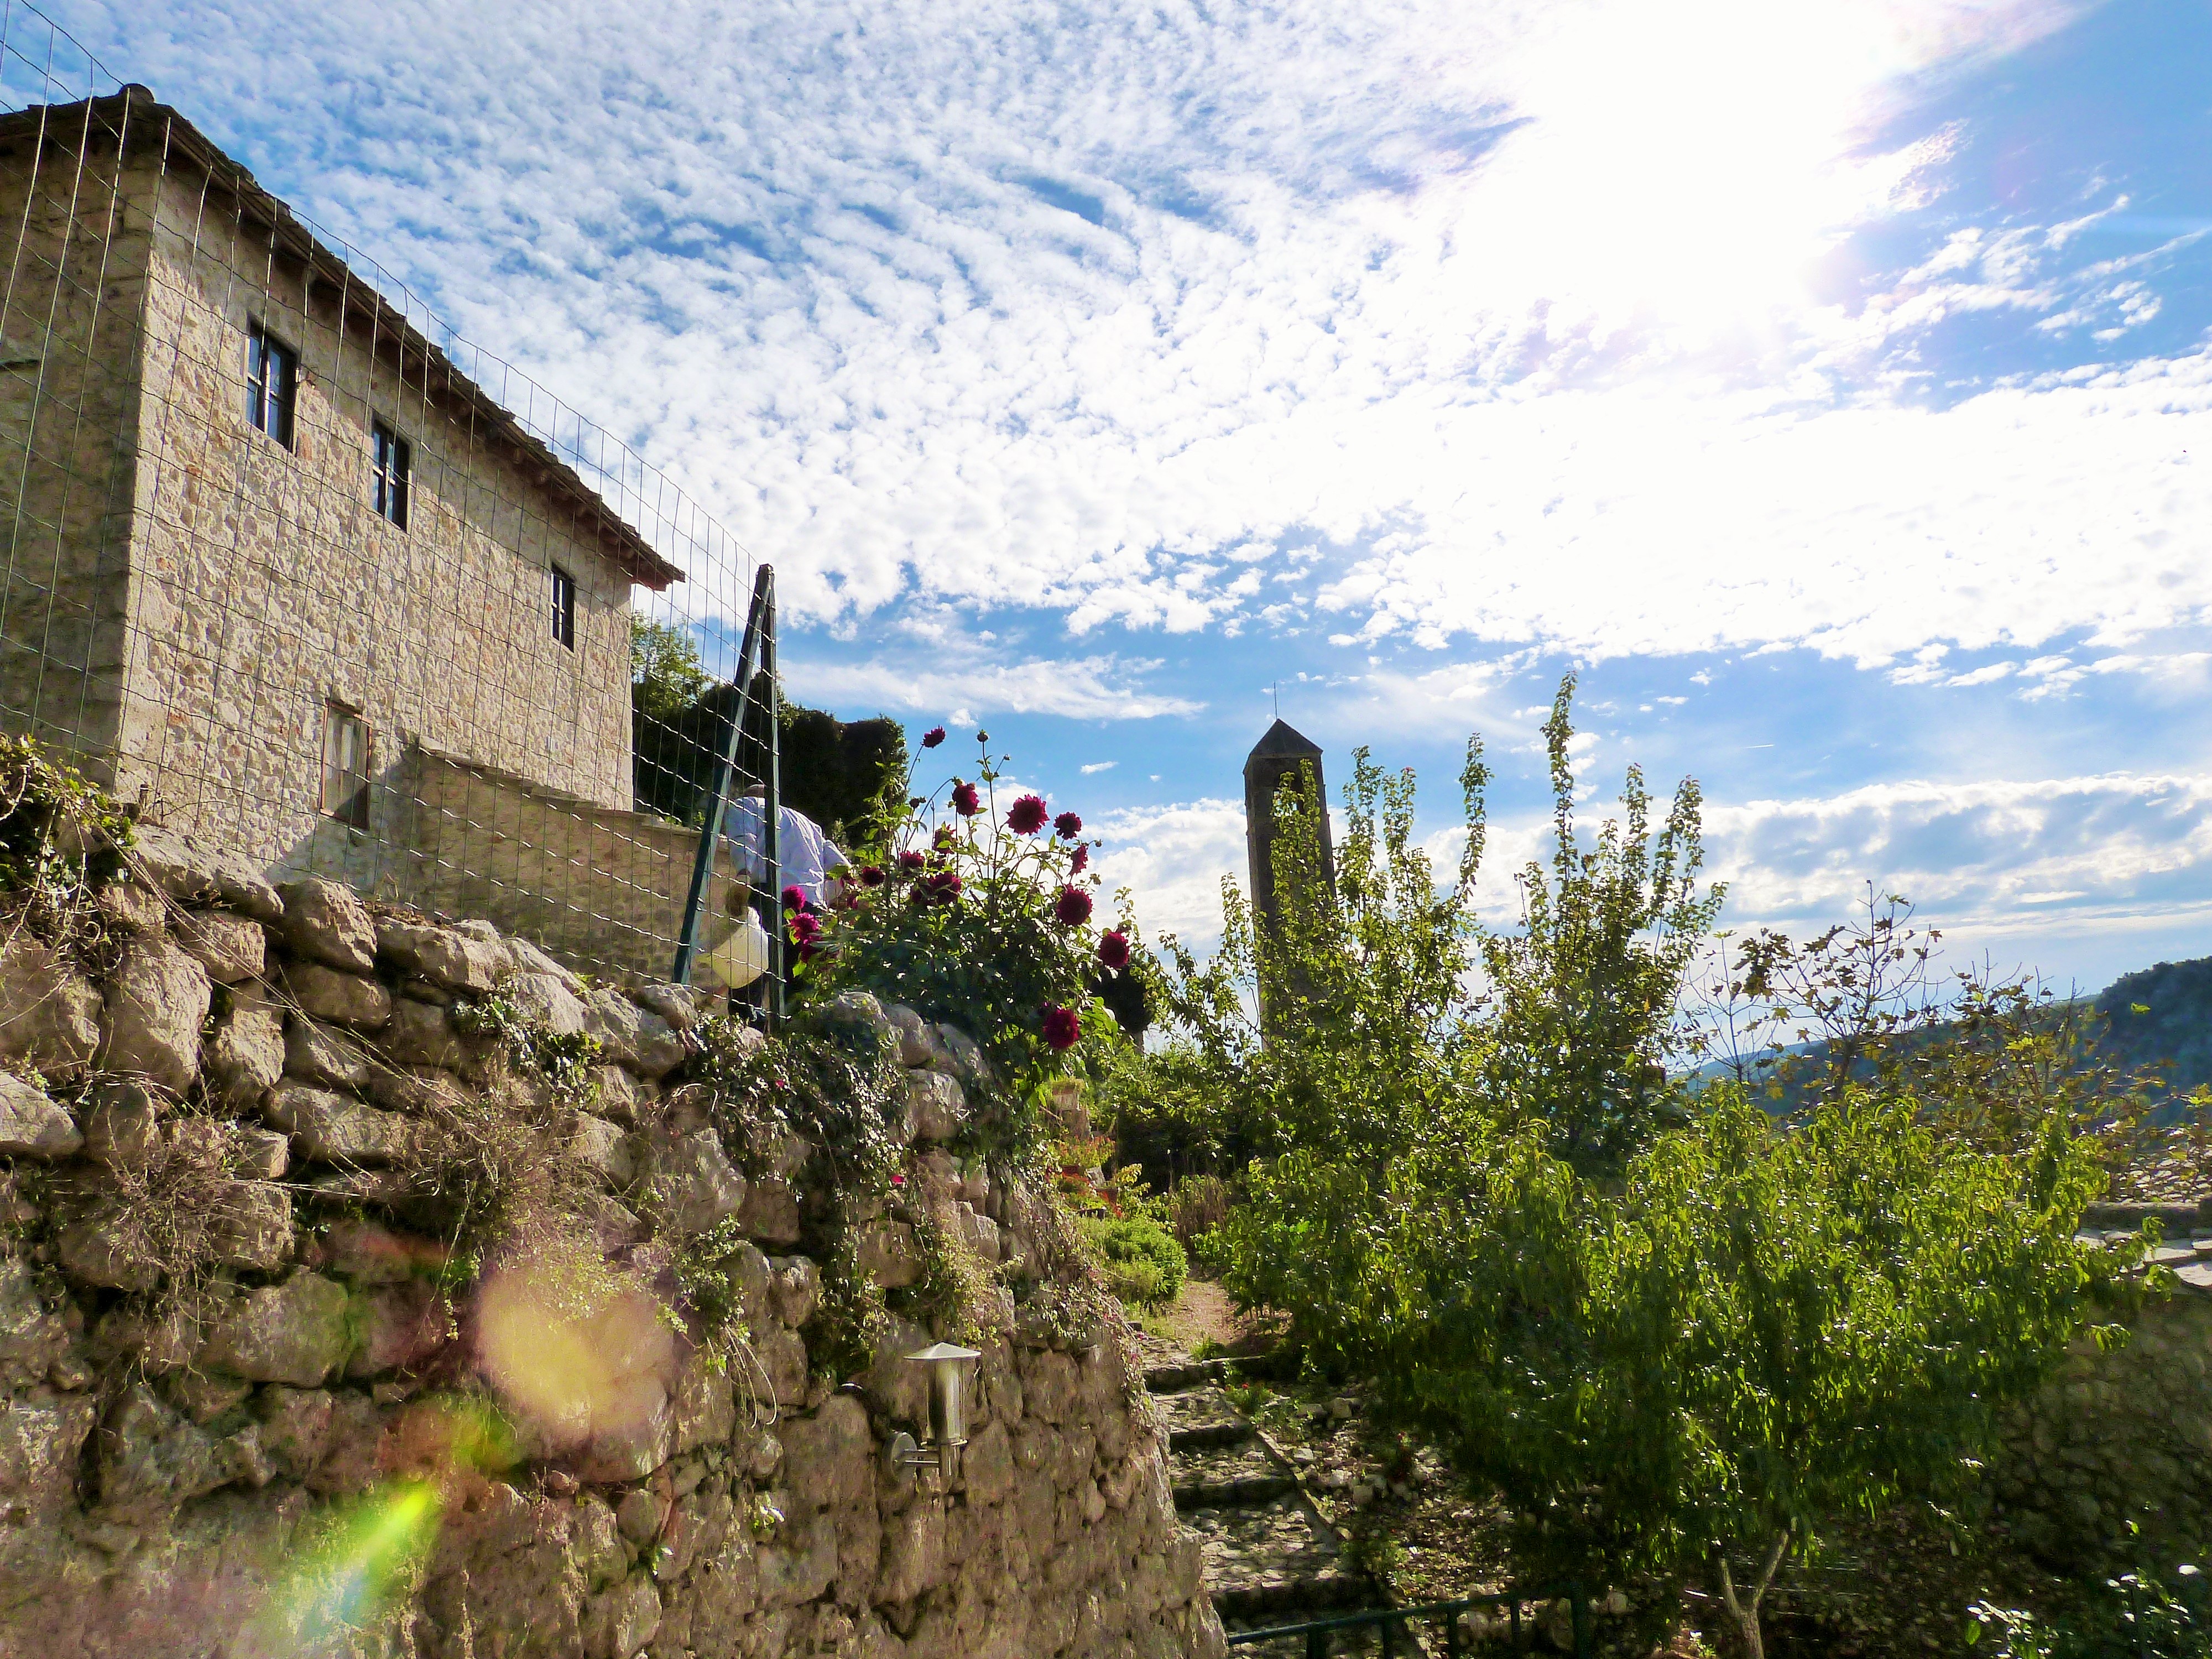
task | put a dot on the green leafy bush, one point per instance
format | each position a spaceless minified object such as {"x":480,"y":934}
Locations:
{"x":980,"y":917}
{"x":1142,"y":1263}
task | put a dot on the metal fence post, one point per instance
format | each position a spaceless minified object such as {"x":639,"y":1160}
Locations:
{"x":772,"y":808}
{"x":725,"y":768}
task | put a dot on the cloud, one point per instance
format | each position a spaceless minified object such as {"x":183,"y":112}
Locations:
{"x":1086,"y":687}
{"x":1174,"y":858}
{"x":1096,"y":767}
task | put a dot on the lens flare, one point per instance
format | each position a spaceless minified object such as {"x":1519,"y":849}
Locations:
{"x":348,"y":1582}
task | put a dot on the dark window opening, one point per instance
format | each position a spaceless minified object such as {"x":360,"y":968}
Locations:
{"x":564,"y":607}
{"x":389,"y":457}
{"x":272,"y":377}
{"x":345,"y":766}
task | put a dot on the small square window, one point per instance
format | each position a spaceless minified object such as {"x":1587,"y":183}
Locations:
{"x":564,"y":607}
{"x":345,"y":766}
{"x":272,"y":378}
{"x":390,"y":459}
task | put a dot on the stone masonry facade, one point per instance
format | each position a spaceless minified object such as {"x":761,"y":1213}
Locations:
{"x":188,"y":1473}
{"x":190,"y":602}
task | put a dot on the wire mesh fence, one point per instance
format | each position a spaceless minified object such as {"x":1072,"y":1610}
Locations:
{"x":299,"y":572}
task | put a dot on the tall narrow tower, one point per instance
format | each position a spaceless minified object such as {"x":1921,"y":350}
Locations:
{"x":1277,"y":758}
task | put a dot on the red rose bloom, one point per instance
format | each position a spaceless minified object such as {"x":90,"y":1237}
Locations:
{"x":1073,"y":907}
{"x":1114,"y":950}
{"x":965,"y":800}
{"x":932,"y":737}
{"x":1026,"y":816}
{"x":1061,"y":1028}
{"x":911,"y":860}
{"x":871,"y":875}
{"x":1068,"y":825}
{"x":1081,"y":861}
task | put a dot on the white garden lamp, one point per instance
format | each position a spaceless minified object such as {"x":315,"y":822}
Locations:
{"x":948,"y":1365}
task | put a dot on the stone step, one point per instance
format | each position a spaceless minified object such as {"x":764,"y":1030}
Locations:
{"x":1201,"y":1417}
{"x":1224,"y":1476}
{"x":1176,"y":1375}
{"x":1274,"y":1558}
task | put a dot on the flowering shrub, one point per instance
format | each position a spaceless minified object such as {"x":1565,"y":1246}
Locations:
{"x":978,"y":920}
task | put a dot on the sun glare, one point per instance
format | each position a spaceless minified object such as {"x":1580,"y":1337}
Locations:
{"x":1691,"y":161}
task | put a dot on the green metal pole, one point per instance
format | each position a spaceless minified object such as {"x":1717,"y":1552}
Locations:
{"x":772,"y":814}
{"x":725,"y":768}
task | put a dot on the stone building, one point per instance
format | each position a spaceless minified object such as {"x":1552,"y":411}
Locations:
{"x":1276,"y":762}
{"x":278,"y":568}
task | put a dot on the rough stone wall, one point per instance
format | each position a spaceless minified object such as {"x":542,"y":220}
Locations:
{"x":2123,"y":1434}
{"x":70,"y":311}
{"x":599,"y":890}
{"x":217,"y":1471}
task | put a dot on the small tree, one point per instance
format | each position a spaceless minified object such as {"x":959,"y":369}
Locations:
{"x":1768,"y":1327}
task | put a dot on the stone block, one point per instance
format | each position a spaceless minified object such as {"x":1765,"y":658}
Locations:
{"x":107,"y":1250}
{"x":546,"y":1000}
{"x":295,"y":1426}
{"x":859,"y":1011}
{"x":246,"y":1056}
{"x":920,"y":1048}
{"x":401,"y":1326}
{"x":457,"y":961}
{"x":682,"y":1005}
{"x":32,"y":1341}
{"x":342,"y":997}
{"x":296,"y":1332}
{"x":706,"y":1412}
{"x":230,"y":947}
{"x":251,"y":1225}
{"x":936,"y":1107}
{"x":695,"y":1184}
{"x":157,"y":1000}
{"x":622,"y":1620}
{"x":195,"y":874}
{"x":632,"y":1036}
{"x":797,"y":1569}
{"x":42,"y":1434}
{"x":796,"y":1287}
{"x":369,"y":1253}
{"x":325,"y":923}
{"x":771,"y":1212}
{"x":150,"y":1454}
{"x":604,"y":1148}
{"x":130,"y":907}
{"x":122,"y":1125}
{"x":329,"y":1128}
{"x":49,"y":1013}
{"x":887,"y":1255}
{"x":829,"y":1459}
{"x":981,"y":1234}
{"x":262,"y":1154}
{"x":31,"y":1124}
{"x":325,"y":1055}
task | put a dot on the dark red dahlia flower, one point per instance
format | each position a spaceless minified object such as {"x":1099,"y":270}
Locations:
{"x":805,"y":926}
{"x":1061,"y":1028}
{"x":1114,"y":950}
{"x":1072,"y":906}
{"x":1081,"y":861}
{"x":911,"y":860}
{"x":932,"y":737}
{"x":943,"y":886}
{"x":965,"y":801}
{"x":794,"y":899}
{"x":1068,"y":826}
{"x":1026,"y":816}
{"x":871,"y":875}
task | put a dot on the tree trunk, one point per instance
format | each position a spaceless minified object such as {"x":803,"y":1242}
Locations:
{"x":1745,"y":1610}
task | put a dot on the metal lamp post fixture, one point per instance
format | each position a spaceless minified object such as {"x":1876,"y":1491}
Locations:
{"x":948,"y":1364}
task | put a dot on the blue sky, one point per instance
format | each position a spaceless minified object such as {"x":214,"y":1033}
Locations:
{"x":1831,"y":384}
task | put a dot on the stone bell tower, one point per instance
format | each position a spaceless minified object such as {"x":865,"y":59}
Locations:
{"x":1277,"y":758}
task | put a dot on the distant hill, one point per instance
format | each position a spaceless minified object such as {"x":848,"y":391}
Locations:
{"x":2175,"y":1024}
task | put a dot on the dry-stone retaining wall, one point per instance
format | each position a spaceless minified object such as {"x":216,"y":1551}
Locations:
{"x":329,"y":1418}
{"x":2122,"y":1436}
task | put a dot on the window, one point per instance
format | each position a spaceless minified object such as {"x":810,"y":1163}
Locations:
{"x":272,"y":375}
{"x":345,"y":766}
{"x":390,"y":456}
{"x":564,"y":607}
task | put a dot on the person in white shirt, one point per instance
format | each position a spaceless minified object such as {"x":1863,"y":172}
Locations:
{"x":806,"y":858}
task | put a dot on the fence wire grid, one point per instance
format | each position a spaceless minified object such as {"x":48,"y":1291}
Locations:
{"x":309,"y":577}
